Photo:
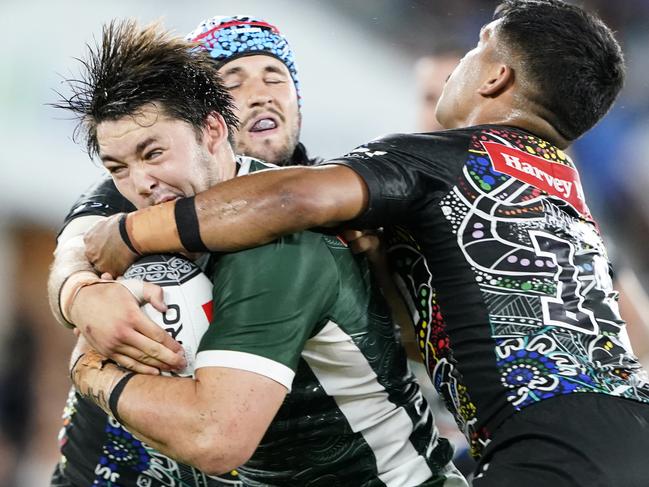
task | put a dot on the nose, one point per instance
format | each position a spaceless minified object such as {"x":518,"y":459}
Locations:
{"x":143,"y":180}
{"x":258,"y":94}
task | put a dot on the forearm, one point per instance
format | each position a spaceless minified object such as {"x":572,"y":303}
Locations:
{"x":255,"y":209}
{"x":213,"y":422}
{"x":69,"y":258}
{"x":165,"y":413}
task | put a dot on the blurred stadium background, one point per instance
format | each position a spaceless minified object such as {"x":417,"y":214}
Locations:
{"x":355,"y":61}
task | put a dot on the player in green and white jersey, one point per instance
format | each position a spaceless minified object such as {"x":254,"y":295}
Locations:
{"x":300,"y":375}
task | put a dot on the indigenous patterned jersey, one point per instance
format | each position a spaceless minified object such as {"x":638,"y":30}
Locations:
{"x":504,"y":269}
{"x":303,"y":311}
{"x":96,"y":450}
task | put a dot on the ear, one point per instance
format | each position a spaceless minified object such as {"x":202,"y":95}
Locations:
{"x":215,"y":132}
{"x":499,"y":81}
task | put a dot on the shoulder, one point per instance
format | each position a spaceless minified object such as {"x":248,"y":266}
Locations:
{"x":296,"y":258}
{"x":100,"y":199}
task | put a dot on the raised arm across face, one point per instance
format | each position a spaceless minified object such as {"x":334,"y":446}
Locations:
{"x":240,"y":213}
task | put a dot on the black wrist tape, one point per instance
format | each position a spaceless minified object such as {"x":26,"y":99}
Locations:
{"x":116,"y":392}
{"x":187,"y":225}
{"x":124,"y":234}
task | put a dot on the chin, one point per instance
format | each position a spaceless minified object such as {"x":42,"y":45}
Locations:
{"x":271,"y":153}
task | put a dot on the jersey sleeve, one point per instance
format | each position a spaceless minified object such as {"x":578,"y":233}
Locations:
{"x":101,"y":199}
{"x":400,"y":172}
{"x":267,"y":302}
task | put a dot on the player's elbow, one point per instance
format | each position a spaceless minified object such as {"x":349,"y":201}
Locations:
{"x":216,"y":454}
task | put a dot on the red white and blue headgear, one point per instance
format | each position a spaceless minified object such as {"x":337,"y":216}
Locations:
{"x":229,"y":37}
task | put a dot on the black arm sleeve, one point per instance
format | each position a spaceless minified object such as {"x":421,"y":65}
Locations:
{"x":401,"y":171}
{"x":101,"y":199}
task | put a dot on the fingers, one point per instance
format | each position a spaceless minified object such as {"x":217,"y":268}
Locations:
{"x":134,"y":286}
{"x":133,"y":365}
{"x":139,"y":356}
{"x":366,"y":243}
{"x":351,"y":235}
{"x":154,"y":295}
{"x":106,"y":249}
{"x":148,"y":351}
{"x":160,"y":344}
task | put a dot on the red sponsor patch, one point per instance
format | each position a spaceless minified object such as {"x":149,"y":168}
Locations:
{"x":208,"y":309}
{"x":555,"y":179}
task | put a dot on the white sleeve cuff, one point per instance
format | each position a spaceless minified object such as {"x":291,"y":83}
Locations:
{"x":246,"y":361}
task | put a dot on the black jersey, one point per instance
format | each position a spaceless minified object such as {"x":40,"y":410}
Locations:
{"x":96,"y":450}
{"x":504,"y":270}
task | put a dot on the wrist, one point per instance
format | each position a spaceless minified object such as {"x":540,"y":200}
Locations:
{"x":70,"y":289}
{"x":96,"y":378}
{"x":154,"y":229}
{"x":187,"y":225}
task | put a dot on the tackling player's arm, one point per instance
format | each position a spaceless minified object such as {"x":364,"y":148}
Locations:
{"x":267,"y":302}
{"x":239,"y":213}
{"x":107,"y":315}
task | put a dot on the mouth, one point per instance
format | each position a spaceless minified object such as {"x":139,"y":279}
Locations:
{"x":164,"y":199}
{"x":263,"y":124}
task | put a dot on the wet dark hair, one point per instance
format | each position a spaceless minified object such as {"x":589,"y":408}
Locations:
{"x":570,"y":57}
{"x":134,"y":67}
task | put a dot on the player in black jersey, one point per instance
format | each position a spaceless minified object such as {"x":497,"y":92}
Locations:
{"x":299,"y":374}
{"x":262,"y":78}
{"x":495,"y":247}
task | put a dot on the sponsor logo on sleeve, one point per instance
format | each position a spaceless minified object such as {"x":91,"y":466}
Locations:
{"x":552,"y":177}
{"x":365,"y":152}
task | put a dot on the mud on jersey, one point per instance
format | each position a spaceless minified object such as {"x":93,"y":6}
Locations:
{"x":504,"y":269}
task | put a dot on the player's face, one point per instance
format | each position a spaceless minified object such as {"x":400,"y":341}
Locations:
{"x":431,"y":74}
{"x":266,"y":100}
{"x":154,"y":158}
{"x":460,"y":95}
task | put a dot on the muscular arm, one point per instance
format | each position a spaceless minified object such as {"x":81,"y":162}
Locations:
{"x":213,"y":422}
{"x":284,"y":201}
{"x":267,"y":303}
{"x":239,"y":213}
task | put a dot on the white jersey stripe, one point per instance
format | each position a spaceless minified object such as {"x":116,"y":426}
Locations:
{"x":246,"y":361}
{"x":364,"y":401}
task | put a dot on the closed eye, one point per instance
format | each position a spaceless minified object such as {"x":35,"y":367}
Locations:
{"x":116,"y":170}
{"x":152,"y":154}
{"x":275,"y":80}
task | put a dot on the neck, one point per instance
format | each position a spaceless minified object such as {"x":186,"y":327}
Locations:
{"x":506,"y":114}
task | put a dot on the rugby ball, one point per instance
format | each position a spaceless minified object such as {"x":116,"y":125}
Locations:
{"x":188,"y":296}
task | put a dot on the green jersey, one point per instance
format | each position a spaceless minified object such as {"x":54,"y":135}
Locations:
{"x":304,"y":312}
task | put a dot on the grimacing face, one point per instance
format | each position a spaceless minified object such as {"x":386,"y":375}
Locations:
{"x":460,"y":94}
{"x":154,"y":158}
{"x":267,"y":107}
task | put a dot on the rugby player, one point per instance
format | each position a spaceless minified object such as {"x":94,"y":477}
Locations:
{"x":261,"y":77}
{"x":505,"y":268}
{"x":298,"y":315}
